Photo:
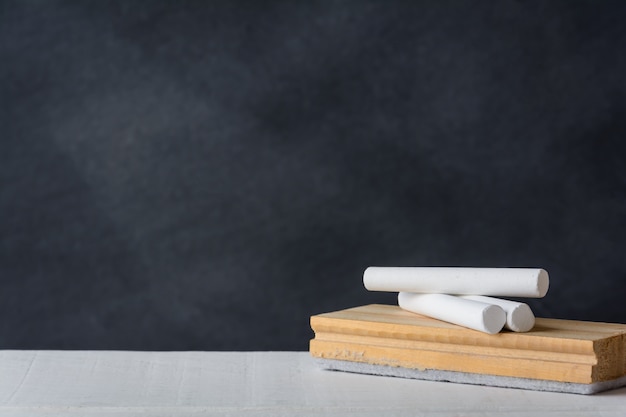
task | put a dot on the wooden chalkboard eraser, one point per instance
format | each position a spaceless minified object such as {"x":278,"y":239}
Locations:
{"x":556,"y":355}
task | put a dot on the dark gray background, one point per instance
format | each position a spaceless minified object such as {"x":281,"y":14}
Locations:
{"x":207,"y":175}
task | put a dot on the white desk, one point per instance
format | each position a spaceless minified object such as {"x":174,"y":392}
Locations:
{"x":113,"y":383}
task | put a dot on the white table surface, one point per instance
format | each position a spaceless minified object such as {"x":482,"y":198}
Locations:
{"x":118,"y":383}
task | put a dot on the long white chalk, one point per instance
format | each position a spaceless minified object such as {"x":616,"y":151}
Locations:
{"x":504,"y":282}
{"x":519,"y":317}
{"x":475,"y":315}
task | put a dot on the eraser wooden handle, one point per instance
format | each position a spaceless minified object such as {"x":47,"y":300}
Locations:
{"x":503,"y":282}
{"x":475,"y":315}
{"x":519,"y":317}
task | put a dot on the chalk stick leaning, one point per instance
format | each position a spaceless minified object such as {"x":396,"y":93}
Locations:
{"x":519,"y":317}
{"x":503,"y":282}
{"x":472,"y":314}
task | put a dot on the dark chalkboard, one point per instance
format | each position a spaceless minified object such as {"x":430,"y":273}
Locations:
{"x":207,"y":175}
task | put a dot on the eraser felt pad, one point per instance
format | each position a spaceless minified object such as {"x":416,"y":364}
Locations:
{"x":470,"y":378}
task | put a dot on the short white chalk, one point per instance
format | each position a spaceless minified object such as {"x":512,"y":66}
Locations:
{"x":519,"y":317}
{"x":475,"y":315}
{"x":503,"y":282}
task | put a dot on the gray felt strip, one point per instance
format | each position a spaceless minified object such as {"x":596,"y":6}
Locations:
{"x":470,"y":378}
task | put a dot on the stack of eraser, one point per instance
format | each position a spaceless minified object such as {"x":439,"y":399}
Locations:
{"x":464,"y":296}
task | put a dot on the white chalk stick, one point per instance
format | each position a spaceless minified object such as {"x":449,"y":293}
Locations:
{"x":475,"y":315}
{"x":504,"y":282}
{"x":519,"y":317}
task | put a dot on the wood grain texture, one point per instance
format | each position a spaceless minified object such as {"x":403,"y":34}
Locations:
{"x":556,"y":350}
{"x":123,"y":384}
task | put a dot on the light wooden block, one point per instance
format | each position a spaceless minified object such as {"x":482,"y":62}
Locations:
{"x":555,"y":350}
